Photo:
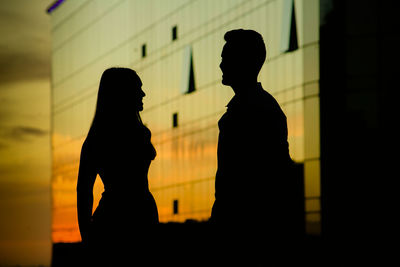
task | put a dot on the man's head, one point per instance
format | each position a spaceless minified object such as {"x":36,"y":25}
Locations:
{"x":242,"y":56}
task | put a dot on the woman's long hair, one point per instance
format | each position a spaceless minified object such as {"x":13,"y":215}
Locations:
{"x":115,"y":110}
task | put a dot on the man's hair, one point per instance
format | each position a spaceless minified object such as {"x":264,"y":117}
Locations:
{"x":250,"y":44}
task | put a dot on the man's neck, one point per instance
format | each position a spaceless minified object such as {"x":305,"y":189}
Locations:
{"x":244,"y":88}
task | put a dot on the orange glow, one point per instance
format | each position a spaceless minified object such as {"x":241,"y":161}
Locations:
{"x":184,"y":169}
{"x":65,"y":174}
{"x":172,"y":173}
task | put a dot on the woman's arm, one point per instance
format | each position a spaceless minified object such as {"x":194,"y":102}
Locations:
{"x":86,"y":178}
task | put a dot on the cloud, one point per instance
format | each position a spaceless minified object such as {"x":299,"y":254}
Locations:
{"x":3,"y":145}
{"x":21,"y":133}
{"x":22,"y":189}
{"x":25,"y":42}
{"x":17,"y":66}
{"x":24,"y":130}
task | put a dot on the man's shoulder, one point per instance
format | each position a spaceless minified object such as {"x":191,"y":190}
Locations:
{"x":264,"y":101}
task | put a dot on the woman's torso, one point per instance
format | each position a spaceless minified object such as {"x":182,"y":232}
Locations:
{"x":122,"y":162}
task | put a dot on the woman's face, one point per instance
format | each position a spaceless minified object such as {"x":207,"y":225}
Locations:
{"x":138,"y":96}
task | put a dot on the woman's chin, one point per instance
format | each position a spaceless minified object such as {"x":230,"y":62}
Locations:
{"x":225,"y":81}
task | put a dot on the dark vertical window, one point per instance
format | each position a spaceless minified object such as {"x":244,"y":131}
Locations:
{"x":289,"y":28}
{"x":293,"y":44}
{"x":144,"y":50}
{"x":191,"y":76}
{"x":188,"y":82}
{"x":175,"y":120}
{"x":174,"y":33}
{"x":175,"y":206}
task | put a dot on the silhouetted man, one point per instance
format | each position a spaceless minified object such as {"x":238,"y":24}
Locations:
{"x":251,"y":193}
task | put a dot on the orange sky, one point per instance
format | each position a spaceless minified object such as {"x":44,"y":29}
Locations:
{"x":25,"y":221}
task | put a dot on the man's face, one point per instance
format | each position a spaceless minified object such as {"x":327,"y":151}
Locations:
{"x":230,"y":65}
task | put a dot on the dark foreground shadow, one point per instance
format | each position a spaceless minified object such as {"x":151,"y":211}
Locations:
{"x":192,"y":244}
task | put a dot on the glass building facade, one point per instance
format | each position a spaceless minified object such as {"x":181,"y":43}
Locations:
{"x":175,"y":46}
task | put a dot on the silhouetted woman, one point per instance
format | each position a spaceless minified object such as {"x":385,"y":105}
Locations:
{"x":118,"y":149}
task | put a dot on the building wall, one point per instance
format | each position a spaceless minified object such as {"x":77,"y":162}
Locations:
{"x":359,"y":66}
{"x":92,"y":35}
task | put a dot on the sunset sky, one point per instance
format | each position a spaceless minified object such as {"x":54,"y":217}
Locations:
{"x":25,"y":221}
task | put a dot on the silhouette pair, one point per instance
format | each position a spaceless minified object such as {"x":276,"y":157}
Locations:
{"x":251,"y":188}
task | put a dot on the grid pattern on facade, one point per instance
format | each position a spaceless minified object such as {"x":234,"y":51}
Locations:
{"x":87,"y":42}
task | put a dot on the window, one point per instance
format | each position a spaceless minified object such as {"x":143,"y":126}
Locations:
{"x":174,"y":33}
{"x":143,"y":50}
{"x":175,"y":206}
{"x":175,"y":120}
{"x":188,"y":84}
{"x":289,"y":28}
